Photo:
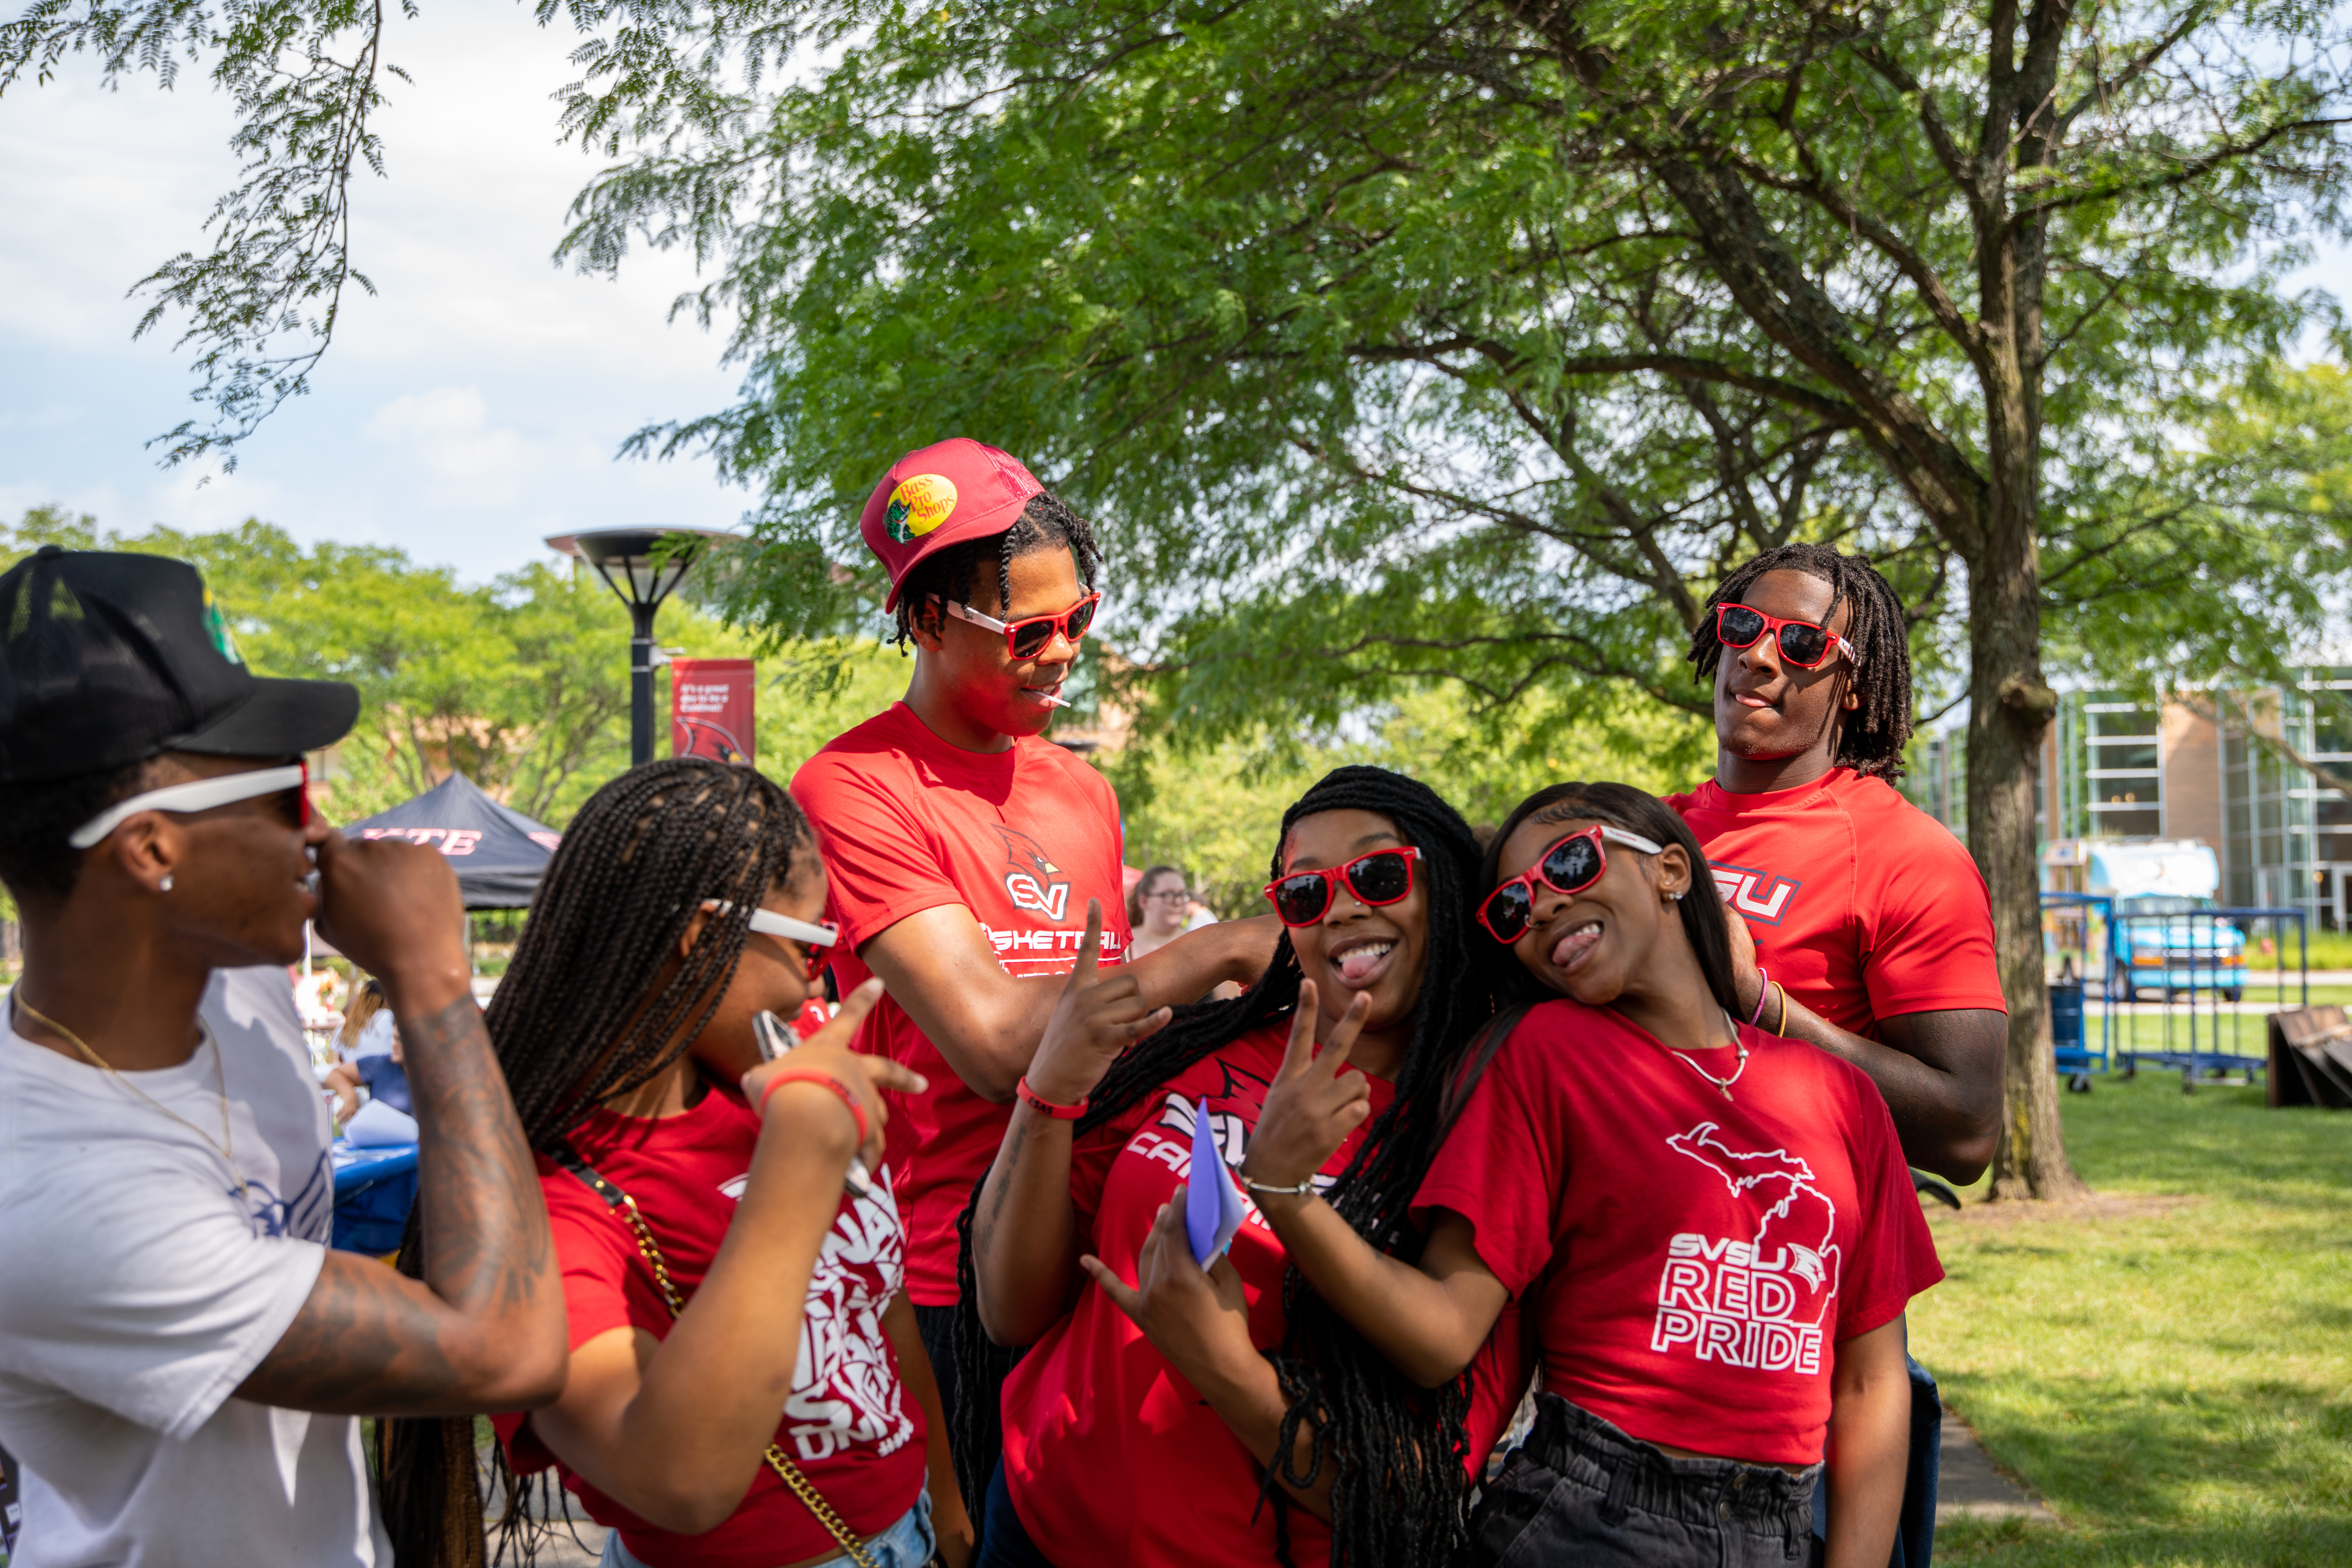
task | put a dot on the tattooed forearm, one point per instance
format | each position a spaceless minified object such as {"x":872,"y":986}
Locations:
{"x":483,"y":1328}
{"x":1008,"y":1162}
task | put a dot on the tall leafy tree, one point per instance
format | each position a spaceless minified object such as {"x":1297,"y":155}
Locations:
{"x":1477,"y":340}
{"x":1401,"y":341}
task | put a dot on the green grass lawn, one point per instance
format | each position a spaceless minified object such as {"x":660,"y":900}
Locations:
{"x":2170,"y":1368}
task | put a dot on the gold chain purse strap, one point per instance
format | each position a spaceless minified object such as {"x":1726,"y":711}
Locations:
{"x":621,"y":1204}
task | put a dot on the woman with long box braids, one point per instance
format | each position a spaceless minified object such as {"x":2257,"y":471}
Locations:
{"x":730,"y":1239}
{"x":1710,"y":1228}
{"x":1167,"y":1414}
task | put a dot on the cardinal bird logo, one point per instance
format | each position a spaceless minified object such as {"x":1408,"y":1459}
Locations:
{"x":1030,"y":877}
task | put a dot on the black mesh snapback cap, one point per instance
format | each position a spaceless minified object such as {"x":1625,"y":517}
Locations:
{"x":108,"y":658}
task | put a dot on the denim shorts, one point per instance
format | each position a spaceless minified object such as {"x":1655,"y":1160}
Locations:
{"x":1581,"y":1491}
{"x":906,"y":1544}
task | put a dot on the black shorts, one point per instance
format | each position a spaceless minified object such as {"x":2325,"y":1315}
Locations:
{"x":1581,"y":1491}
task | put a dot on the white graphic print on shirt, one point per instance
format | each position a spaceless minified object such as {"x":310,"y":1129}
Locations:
{"x":1761,"y":1300}
{"x":843,"y":1391}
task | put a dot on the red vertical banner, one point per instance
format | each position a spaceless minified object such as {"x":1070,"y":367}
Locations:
{"x":710,"y":709}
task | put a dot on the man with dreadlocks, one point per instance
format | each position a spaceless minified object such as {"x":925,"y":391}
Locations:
{"x":962,"y":847}
{"x":1229,"y":1415}
{"x":1871,"y":928}
{"x":1864,"y":928}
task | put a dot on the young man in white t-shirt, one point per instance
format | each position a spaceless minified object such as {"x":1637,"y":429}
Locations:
{"x":182,"y":1358}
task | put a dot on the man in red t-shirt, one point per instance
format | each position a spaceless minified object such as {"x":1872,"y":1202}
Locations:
{"x":1869,"y":920}
{"x":962,"y":847}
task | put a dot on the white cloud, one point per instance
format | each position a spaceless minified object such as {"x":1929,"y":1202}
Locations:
{"x":475,"y":405}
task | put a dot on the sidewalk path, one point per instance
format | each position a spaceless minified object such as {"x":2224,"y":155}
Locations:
{"x":1969,"y":1485}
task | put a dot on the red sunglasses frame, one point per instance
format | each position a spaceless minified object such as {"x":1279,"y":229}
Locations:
{"x":1601,"y":833}
{"x":1011,"y":629}
{"x":1772,"y":625}
{"x":1333,"y":876}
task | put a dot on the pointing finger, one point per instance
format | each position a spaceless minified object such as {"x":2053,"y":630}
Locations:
{"x":842,"y":1027}
{"x":1082,"y":972}
{"x":1123,"y":1295}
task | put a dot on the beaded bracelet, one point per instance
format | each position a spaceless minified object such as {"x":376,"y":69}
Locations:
{"x":810,"y":1074}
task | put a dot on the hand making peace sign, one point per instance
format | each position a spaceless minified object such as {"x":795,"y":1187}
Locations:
{"x":1313,"y":1105}
{"x":1098,"y":1018}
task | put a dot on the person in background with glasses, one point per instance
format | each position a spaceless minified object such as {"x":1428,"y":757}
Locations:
{"x":1710,"y":1229}
{"x":746,"y":1389}
{"x":1861,"y":924}
{"x":182,"y":1358}
{"x":963,"y":846}
{"x":1156,"y":1393}
{"x":1158,"y":910}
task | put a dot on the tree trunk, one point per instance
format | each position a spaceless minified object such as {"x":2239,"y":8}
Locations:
{"x":2010,"y":707}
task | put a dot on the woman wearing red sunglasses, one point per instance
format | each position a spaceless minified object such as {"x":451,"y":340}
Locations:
{"x":1710,"y":1229}
{"x":1156,"y":1397}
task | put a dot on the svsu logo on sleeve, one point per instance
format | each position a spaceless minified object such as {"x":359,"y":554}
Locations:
{"x":1763,"y":898}
{"x":1031,"y":879}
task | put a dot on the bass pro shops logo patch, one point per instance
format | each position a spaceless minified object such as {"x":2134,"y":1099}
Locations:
{"x":919,"y":504}
{"x":1032,"y":879}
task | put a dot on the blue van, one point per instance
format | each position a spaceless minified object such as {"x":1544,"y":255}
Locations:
{"x":2154,"y":942}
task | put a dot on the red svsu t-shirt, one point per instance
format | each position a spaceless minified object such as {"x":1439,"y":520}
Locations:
{"x":846,"y":1422}
{"x":1022,"y":838}
{"x":1695,"y":1259}
{"x":1863,"y":906}
{"x":1109,"y":1455}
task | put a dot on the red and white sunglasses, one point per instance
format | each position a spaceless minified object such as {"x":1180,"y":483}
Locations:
{"x":1032,"y":634}
{"x":815,"y":940}
{"x":1802,"y":644}
{"x":1570,"y":865}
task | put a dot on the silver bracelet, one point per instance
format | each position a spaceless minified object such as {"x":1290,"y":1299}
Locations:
{"x":1305,"y":1189}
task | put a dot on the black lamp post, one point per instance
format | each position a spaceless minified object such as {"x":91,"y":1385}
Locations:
{"x":642,"y":565}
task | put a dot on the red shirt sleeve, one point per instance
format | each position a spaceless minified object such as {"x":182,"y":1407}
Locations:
{"x":1927,"y":932}
{"x":595,"y":1261}
{"x":1505,"y":1166}
{"x":1895,"y":1253}
{"x":880,"y":865}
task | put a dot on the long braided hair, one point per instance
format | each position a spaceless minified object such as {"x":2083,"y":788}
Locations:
{"x":1871,"y":738}
{"x":1046,"y":521}
{"x":1398,"y":1492}
{"x":596,"y":1003}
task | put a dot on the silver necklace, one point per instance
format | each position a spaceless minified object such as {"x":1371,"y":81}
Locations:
{"x":1722,"y":1083}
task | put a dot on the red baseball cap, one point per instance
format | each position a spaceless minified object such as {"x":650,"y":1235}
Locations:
{"x":931,"y":499}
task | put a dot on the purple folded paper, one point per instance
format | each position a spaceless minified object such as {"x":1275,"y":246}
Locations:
{"x":1213,"y":1203}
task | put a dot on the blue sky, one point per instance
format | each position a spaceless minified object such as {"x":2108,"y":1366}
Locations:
{"x":472,"y":407}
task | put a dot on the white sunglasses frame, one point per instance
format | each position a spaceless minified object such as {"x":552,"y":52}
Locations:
{"x":770,"y":923}
{"x":199,"y":794}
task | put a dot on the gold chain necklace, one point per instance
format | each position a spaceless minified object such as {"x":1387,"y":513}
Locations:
{"x":224,"y":1146}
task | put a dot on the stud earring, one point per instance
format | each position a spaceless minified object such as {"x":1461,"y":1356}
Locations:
{"x":1675,"y":897}
{"x":167,"y":881}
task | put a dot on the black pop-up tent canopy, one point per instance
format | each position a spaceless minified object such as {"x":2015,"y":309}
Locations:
{"x":497,"y":853}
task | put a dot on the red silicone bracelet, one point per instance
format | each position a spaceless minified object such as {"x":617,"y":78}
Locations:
{"x":1043,"y":1107}
{"x":810,"y":1074}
